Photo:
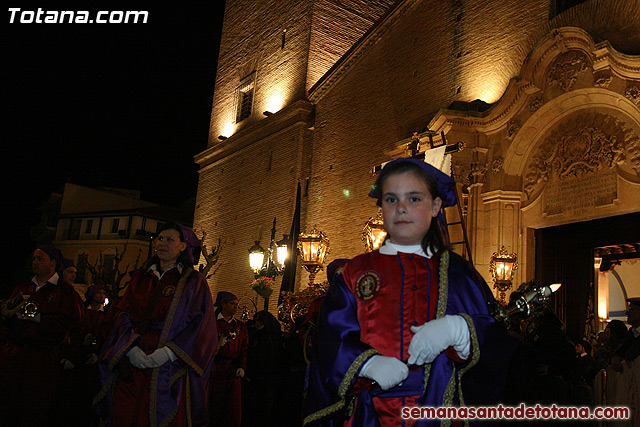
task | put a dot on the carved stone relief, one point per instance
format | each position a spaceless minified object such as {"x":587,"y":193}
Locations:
{"x":603,"y":80}
{"x":566,"y":68}
{"x":497,"y":165}
{"x":512,"y":129}
{"x":536,"y":104}
{"x":461,"y":172}
{"x":633,"y":93}
{"x":589,"y":143}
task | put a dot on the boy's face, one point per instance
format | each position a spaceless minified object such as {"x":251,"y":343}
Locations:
{"x":408,"y":208}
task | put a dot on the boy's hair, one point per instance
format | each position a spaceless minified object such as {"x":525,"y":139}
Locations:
{"x":433,"y":239}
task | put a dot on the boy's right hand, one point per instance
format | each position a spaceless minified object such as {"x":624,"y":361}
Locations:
{"x":388,"y":372}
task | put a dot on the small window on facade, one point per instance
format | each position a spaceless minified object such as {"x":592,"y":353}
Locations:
{"x":244,"y":97}
{"x":89,"y":226}
{"x":115,"y":224}
{"x":76,"y":225}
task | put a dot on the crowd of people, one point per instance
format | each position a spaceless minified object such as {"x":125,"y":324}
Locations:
{"x":406,"y":325}
{"x":163,"y":354}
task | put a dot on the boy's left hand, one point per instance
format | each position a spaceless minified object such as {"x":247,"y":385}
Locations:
{"x":435,"y":336}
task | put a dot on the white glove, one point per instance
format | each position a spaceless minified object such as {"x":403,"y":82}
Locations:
{"x":67,"y":365}
{"x":161,"y":356}
{"x":435,"y":336}
{"x":138,"y":358}
{"x":240,"y":372}
{"x":388,"y":372}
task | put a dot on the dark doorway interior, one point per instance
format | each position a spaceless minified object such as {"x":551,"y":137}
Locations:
{"x":564,"y":254}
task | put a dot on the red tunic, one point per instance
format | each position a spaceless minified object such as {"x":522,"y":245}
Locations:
{"x":131,"y":397}
{"x":226,"y":394}
{"x":182,"y":319}
{"x":30,"y":357}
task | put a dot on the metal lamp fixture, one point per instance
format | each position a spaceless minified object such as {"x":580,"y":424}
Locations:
{"x":527,"y":300}
{"x":313,"y":247}
{"x":374,"y":233}
{"x":502,"y":266}
{"x":263,"y":262}
{"x":256,"y":257}
{"x":283,"y":249}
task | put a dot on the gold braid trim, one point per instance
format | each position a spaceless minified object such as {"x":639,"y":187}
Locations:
{"x":169,"y":418}
{"x":116,"y":357}
{"x":443,"y":295}
{"x":153,"y":392}
{"x":343,"y":388}
{"x":475,"y":355}
{"x":185,"y":358}
{"x":112,"y":365}
{"x":175,"y":377}
{"x":447,"y":398}
{"x":103,"y":392}
{"x":443,"y":292}
{"x":174,"y":305}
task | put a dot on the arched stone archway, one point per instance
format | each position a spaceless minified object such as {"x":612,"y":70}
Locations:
{"x":562,"y":145}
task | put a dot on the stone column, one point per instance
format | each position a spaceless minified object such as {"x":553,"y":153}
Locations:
{"x":502,"y":224}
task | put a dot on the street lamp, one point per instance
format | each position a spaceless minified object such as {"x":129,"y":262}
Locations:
{"x":269,"y":262}
{"x":313,"y":247}
{"x":256,"y":257}
{"x":264,"y":265}
{"x":283,"y":249}
{"x":502,"y":265}
{"x":374,"y":233}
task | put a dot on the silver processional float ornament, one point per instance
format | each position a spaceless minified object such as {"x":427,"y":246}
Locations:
{"x":528,"y":300}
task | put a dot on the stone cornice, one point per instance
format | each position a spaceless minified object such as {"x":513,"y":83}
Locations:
{"x":603,"y":57}
{"x":299,"y":113}
{"x":370,"y":38}
{"x":503,"y":196}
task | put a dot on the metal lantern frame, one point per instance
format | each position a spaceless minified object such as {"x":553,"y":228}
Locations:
{"x":314,"y":247}
{"x":374,"y":233}
{"x":502,"y":266}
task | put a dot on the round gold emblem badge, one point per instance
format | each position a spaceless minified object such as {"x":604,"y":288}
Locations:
{"x":368,"y":285}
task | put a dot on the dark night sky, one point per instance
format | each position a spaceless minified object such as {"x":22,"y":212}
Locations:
{"x":117,"y":105}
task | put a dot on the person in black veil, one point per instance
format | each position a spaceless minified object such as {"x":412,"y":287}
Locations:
{"x":264,"y":358}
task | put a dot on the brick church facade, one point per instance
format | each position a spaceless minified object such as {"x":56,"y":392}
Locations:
{"x":544,"y":96}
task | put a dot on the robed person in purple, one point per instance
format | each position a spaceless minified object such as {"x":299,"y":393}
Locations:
{"x":406,"y":325}
{"x":155,"y":364}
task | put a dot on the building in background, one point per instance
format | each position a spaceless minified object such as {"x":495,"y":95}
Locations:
{"x":544,"y":96}
{"x":96,"y":225}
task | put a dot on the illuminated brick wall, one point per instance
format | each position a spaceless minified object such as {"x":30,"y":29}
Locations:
{"x":419,"y":59}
